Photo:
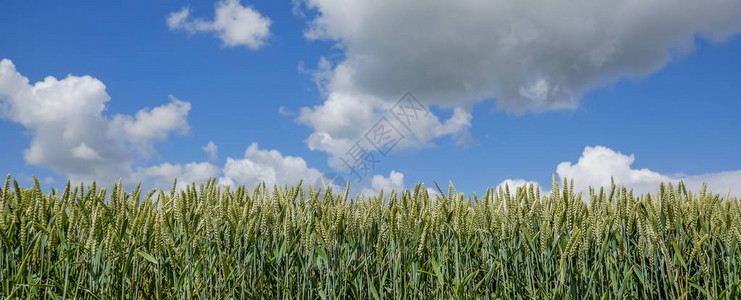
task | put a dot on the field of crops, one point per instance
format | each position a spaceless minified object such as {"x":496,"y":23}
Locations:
{"x":210,"y":242}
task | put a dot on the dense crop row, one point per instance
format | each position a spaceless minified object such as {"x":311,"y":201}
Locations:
{"x":213,"y":242}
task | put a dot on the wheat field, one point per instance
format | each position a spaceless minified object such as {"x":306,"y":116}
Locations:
{"x":214,"y":242}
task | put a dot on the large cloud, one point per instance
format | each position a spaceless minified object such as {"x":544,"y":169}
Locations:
{"x":70,"y":134}
{"x":598,"y":164}
{"x":530,"y":55}
{"x":234,"y":24}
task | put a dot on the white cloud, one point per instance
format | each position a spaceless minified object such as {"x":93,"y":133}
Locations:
{"x":152,"y":125}
{"x":211,"y":149}
{"x":369,"y":187}
{"x":344,"y":118}
{"x":273,"y":168}
{"x":234,"y":24}
{"x":322,"y":75}
{"x":70,"y":134}
{"x":433,"y":193}
{"x":426,"y":129}
{"x":335,"y":147}
{"x":269,"y":166}
{"x":529,"y":55}
{"x":342,"y":115}
{"x":597,"y":164}
{"x":179,"y":20}
{"x":514,"y":184}
{"x":162,"y":175}
{"x":395,"y":181}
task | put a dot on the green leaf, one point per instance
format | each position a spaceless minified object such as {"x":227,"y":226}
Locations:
{"x":373,"y":290}
{"x":436,"y":268}
{"x":148,"y":257}
{"x":678,"y":253}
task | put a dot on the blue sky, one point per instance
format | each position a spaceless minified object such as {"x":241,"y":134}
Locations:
{"x":512,"y":95}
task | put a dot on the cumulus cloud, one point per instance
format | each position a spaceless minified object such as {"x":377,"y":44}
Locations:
{"x":269,"y":166}
{"x":272,"y":167}
{"x":395,"y":181}
{"x":153,"y":125}
{"x":598,"y":164}
{"x":212,"y":150}
{"x":257,"y":166}
{"x":529,"y":55}
{"x":162,"y":175}
{"x":345,"y":118}
{"x":514,"y":184}
{"x":70,"y":133}
{"x":234,"y":24}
